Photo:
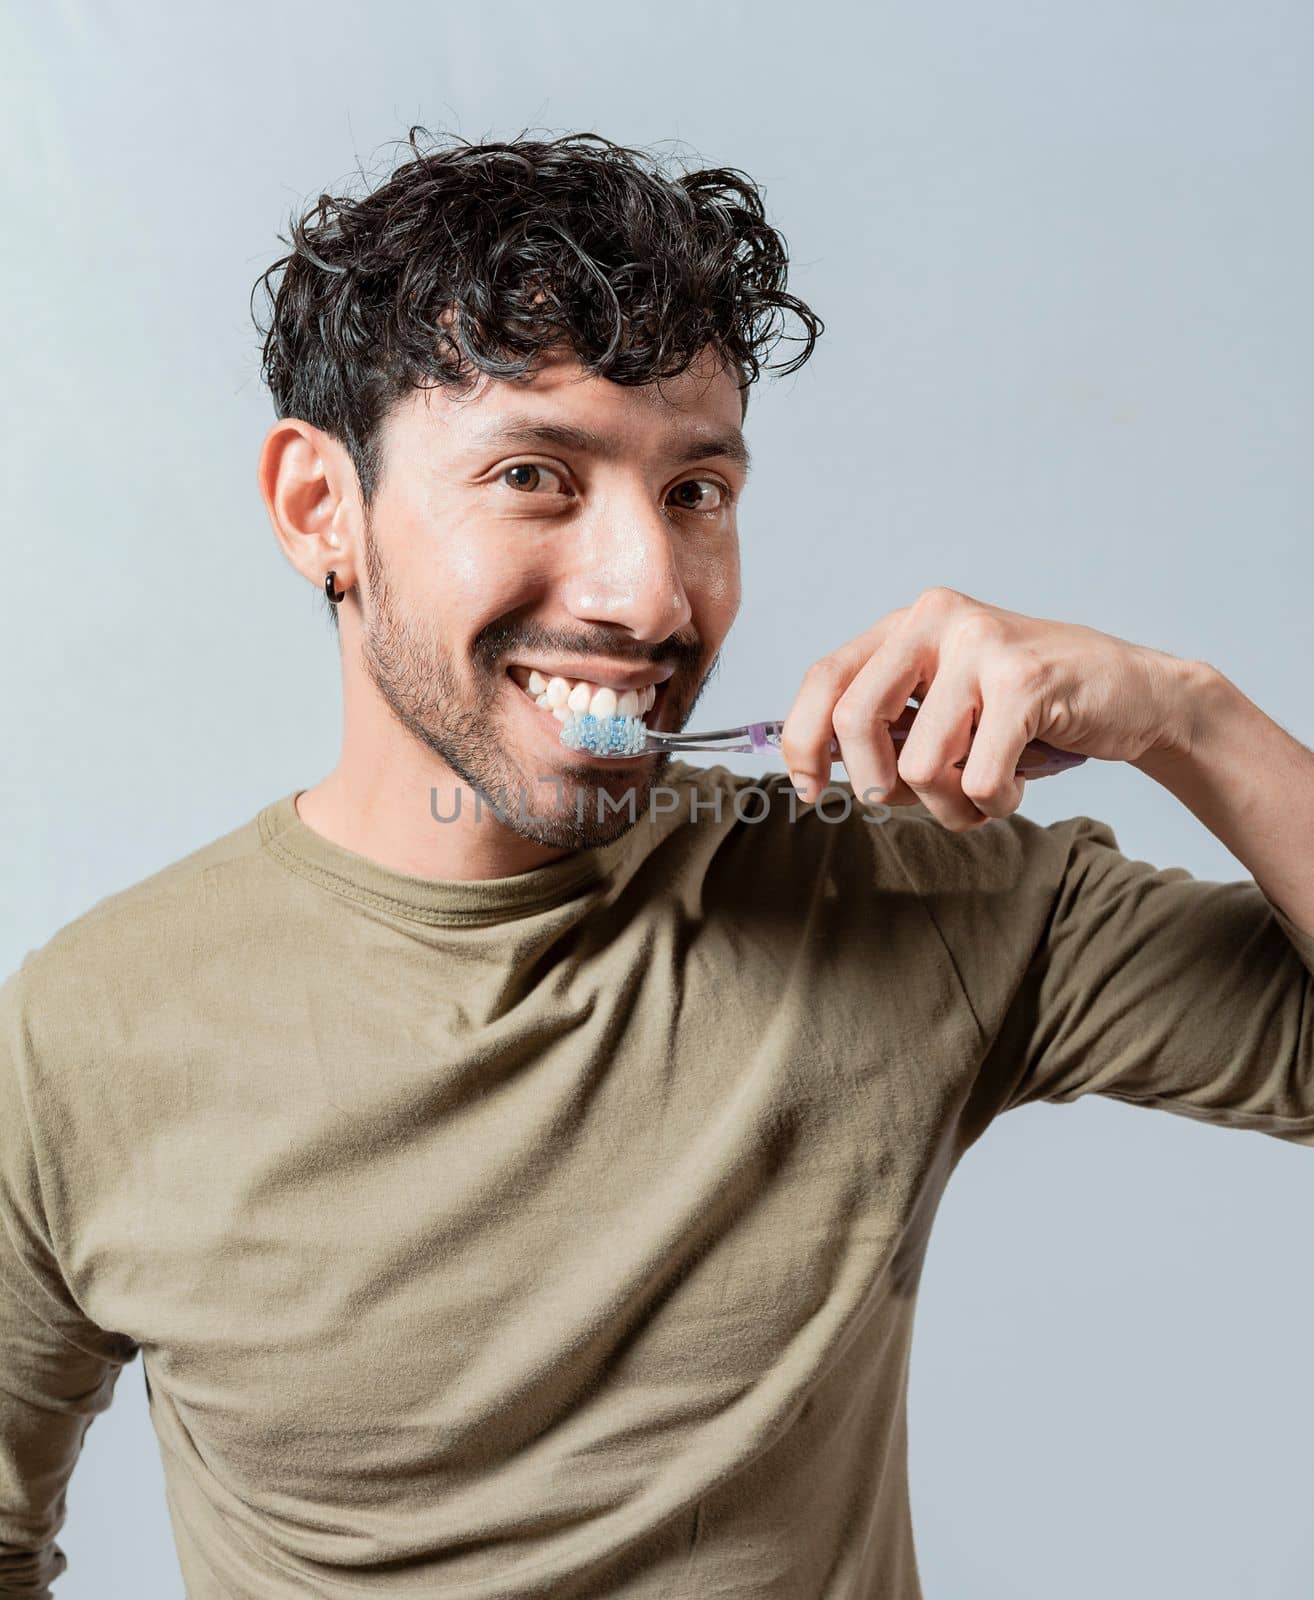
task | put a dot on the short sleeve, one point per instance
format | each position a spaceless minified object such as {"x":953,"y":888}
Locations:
{"x":57,"y":1368}
{"x":1159,"y":989}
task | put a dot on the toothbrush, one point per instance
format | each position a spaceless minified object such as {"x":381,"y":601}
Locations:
{"x":619,"y":738}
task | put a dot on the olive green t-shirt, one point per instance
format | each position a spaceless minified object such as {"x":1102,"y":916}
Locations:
{"x":560,"y":1235}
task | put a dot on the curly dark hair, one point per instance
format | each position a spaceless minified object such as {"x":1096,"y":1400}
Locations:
{"x":523,"y":245}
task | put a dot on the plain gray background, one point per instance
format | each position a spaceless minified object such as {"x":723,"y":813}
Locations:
{"x":1064,"y":256}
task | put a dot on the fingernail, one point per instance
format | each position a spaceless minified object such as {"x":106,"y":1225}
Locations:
{"x":802,"y":783}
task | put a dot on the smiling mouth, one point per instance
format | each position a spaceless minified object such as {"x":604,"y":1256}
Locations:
{"x":566,"y":698}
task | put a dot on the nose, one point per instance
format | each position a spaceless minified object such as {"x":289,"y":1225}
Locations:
{"x":627,"y":572}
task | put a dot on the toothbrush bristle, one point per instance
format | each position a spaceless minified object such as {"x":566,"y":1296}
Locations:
{"x":605,"y":736}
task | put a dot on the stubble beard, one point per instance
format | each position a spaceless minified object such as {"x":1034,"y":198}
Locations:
{"x":464,"y":727}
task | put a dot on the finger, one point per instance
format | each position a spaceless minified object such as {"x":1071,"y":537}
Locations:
{"x":876,"y":698}
{"x":807,"y":731}
{"x":901,"y":794}
{"x":988,"y":775}
{"x":941,"y":735}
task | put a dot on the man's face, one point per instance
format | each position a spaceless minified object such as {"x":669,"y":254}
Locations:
{"x":492,"y":551}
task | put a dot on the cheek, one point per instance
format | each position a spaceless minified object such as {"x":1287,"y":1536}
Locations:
{"x":712,"y":582}
{"x":454,"y":570}
{"x":474,"y":577}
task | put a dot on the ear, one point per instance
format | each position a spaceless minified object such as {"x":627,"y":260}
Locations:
{"x":312,"y":495}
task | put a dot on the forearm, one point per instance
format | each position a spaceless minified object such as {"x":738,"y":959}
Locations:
{"x":1250,"y":783}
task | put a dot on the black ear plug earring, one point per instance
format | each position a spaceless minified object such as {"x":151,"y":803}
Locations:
{"x":329,"y":588}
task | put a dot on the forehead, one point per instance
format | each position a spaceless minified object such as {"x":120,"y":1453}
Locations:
{"x":703,"y":401}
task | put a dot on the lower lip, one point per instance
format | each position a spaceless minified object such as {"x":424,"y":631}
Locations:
{"x":543,"y":715}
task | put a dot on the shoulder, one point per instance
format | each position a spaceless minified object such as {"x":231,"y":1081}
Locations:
{"x":128,"y":942}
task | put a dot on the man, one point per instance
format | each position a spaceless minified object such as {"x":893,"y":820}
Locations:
{"x":513,"y":1168}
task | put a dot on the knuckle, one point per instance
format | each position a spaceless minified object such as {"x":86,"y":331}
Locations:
{"x":979,"y":628}
{"x":825,"y":671}
{"x":848,"y":719}
{"x":988,"y":795}
{"x":998,"y":792}
{"x":916,"y":771}
{"x":938,"y":600}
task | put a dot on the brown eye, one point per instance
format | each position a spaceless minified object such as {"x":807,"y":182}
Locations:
{"x":524,"y":476}
{"x":527,"y":477}
{"x":701,"y":485}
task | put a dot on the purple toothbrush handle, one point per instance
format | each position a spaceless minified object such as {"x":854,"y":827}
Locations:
{"x":1038,"y":759}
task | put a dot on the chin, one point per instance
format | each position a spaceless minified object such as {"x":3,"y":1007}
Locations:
{"x":580,"y":820}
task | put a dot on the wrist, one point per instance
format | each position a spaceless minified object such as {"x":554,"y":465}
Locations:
{"x":1195,"y":698}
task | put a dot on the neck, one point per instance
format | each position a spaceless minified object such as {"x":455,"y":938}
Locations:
{"x":386,"y":812}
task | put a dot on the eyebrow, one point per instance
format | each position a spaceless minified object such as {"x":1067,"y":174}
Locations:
{"x":690,"y":447}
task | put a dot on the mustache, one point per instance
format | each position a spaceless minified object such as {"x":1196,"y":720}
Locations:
{"x":507,"y":640}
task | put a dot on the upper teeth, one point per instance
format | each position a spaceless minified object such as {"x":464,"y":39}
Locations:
{"x":567,"y":697}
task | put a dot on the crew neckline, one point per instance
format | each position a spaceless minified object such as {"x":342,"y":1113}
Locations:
{"x":292,"y":841}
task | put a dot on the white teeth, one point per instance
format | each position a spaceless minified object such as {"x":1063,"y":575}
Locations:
{"x":567,"y":700}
